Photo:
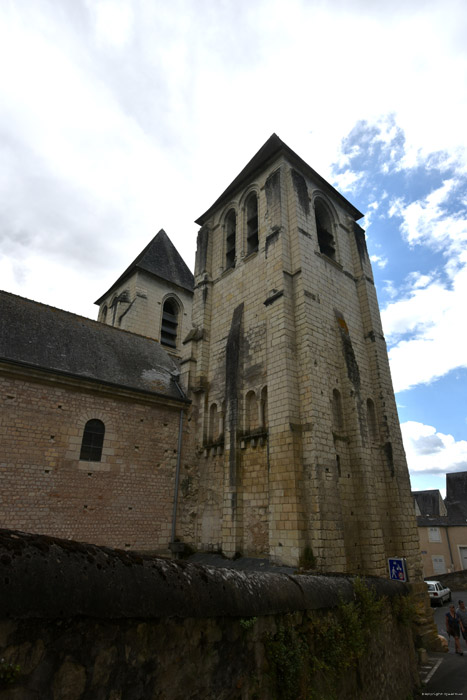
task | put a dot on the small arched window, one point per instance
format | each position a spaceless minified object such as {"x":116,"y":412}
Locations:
{"x":251,"y":223}
{"x":251,"y":412}
{"x":230,"y":238}
{"x":326,"y":241}
{"x":104,"y":314}
{"x":169,"y":323}
{"x":93,"y":439}
{"x":213,"y":423}
{"x":371,"y":420}
{"x":337,"y":413}
{"x":264,"y":407}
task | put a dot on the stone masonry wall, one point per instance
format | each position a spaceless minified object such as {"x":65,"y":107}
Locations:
{"x":139,"y":309}
{"x":307,"y":329}
{"x":125,"y":500}
{"x":79,"y":622}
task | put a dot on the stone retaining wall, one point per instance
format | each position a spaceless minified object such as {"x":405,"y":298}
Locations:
{"x":80,"y":622}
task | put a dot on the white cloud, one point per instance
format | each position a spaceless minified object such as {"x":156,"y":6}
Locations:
{"x":124,"y":116}
{"x":431,"y":452}
{"x":426,"y":221}
{"x":423,"y":325}
{"x":433,"y":317}
{"x":378,"y":260}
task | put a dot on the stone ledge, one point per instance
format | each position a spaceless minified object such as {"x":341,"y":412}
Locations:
{"x":46,"y":577}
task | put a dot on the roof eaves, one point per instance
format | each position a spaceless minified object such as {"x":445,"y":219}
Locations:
{"x":94,"y":380}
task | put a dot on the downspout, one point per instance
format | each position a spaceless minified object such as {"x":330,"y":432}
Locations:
{"x":173,"y":545}
{"x":449,"y":546}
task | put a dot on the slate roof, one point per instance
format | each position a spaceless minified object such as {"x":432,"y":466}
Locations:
{"x":455,"y":503}
{"x":456,"y":497}
{"x":270,"y":150}
{"x":42,"y":337}
{"x":159,"y":258}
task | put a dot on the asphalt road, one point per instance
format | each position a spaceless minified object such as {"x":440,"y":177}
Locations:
{"x":450,"y":677}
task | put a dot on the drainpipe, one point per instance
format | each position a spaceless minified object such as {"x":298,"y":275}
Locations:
{"x":449,"y":546}
{"x":177,"y":547}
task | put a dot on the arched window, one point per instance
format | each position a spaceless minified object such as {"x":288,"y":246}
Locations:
{"x":337,"y":413}
{"x":371,"y":420}
{"x":93,"y":439}
{"x":251,"y":422}
{"x":264,"y":407}
{"x":169,"y":323}
{"x":230,"y":238}
{"x":104,"y":314}
{"x":213,"y":424}
{"x":251,"y":223}
{"x":326,"y":242}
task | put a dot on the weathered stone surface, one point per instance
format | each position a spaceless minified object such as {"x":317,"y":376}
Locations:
{"x":45,"y":577}
{"x":90,"y":623}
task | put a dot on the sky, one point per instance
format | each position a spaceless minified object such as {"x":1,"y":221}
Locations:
{"x":121,"y":117}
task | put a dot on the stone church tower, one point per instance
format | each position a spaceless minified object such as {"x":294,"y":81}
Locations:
{"x":297,"y":428}
{"x":153,"y":297}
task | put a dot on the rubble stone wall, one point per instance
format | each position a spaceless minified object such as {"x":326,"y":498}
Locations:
{"x":81,"y":622}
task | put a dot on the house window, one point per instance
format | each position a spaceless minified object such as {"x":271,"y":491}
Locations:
{"x":252,"y":223}
{"x":169,"y":323}
{"x":326,"y":242}
{"x":230,"y":238}
{"x":439,"y":565}
{"x":93,"y":439}
{"x":434,"y":534}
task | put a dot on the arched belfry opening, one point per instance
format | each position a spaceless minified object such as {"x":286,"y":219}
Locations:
{"x":230,"y":238}
{"x":251,"y":207}
{"x":326,"y":243}
{"x":169,"y":326}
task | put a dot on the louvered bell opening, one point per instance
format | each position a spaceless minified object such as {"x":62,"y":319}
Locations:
{"x":230,"y":253}
{"x":252,"y":234}
{"x":169,"y":330}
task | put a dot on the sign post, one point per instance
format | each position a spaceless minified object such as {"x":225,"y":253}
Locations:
{"x":398,"y":569}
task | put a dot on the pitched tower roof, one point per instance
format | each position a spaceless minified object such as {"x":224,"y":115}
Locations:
{"x":274,"y":147}
{"x":159,"y":258}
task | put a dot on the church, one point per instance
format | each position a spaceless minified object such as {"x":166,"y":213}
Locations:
{"x":246,"y":409}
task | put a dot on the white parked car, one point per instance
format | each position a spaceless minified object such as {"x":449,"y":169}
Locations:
{"x":438,"y":593}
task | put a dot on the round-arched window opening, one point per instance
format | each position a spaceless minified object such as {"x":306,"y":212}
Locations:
{"x":252,"y":223}
{"x":230,"y":238}
{"x":169,"y":325}
{"x":327,"y":245}
{"x":93,"y":440}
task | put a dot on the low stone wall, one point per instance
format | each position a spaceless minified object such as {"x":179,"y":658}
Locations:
{"x":456,"y":581}
{"x":80,"y":622}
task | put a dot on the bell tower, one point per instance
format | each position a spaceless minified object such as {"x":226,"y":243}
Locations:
{"x":297,"y":427}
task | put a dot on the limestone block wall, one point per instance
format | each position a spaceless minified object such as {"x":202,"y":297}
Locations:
{"x":301,"y":322}
{"x":136,"y":306}
{"x":83,"y":622}
{"x":126,"y":499}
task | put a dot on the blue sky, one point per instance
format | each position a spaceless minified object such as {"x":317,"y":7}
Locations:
{"x":120,"y":117}
{"x":416,"y":226}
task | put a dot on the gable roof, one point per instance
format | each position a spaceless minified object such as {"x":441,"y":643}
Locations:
{"x":452,"y":512}
{"x":429,"y":502}
{"x":159,"y":258}
{"x":41,"y":337}
{"x":274,"y":147}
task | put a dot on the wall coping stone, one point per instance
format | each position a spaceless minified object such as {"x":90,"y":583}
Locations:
{"x":46,"y":577}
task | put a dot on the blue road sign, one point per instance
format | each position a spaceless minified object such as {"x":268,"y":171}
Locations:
{"x":397,"y":569}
